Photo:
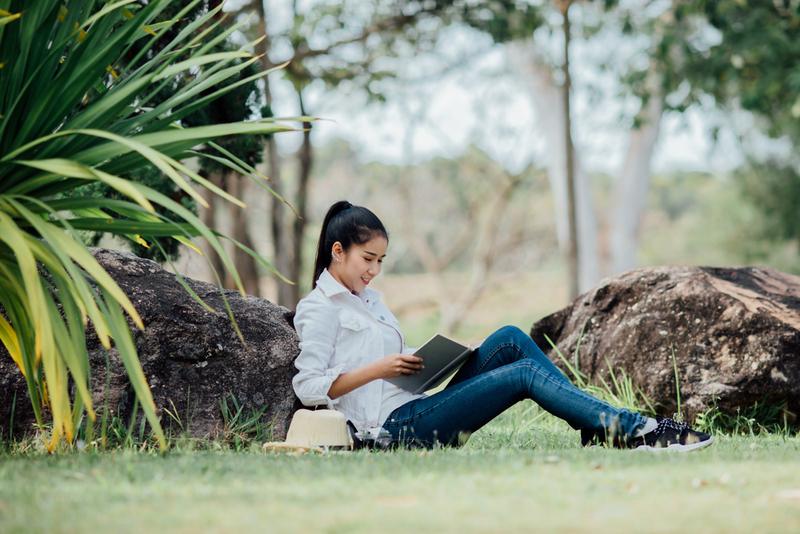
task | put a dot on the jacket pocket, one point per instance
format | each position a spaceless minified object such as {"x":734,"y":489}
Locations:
{"x":353,"y":337}
{"x":352,"y":322}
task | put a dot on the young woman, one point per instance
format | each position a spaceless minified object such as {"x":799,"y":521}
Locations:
{"x":350,"y":343}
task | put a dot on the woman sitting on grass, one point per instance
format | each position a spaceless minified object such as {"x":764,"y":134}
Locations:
{"x":350,"y":343}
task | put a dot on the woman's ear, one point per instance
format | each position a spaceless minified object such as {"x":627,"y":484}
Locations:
{"x":337,"y":252}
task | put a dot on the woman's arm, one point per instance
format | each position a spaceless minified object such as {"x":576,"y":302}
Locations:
{"x":316,"y":322}
{"x":387,"y":367}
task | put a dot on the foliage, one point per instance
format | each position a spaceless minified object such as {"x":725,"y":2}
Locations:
{"x":758,"y":419}
{"x":734,"y":229}
{"x":753,"y":59}
{"x":240,"y":103}
{"x":747,"y":56}
{"x":503,"y":20}
{"x":242,"y":428}
{"x":77,"y":108}
{"x":156,"y":248}
{"x":774,"y":189}
{"x":461,"y":192}
{"x":357,"y":44}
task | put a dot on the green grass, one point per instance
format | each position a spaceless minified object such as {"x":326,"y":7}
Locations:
{"x":524,"y":471}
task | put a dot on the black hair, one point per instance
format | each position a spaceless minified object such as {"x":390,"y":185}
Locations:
{"x":347,"y":224}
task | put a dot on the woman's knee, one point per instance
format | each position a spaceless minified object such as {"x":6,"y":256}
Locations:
{"x":512,"y":333}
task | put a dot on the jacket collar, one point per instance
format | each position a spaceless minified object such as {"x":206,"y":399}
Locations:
{"x":330,"y":286}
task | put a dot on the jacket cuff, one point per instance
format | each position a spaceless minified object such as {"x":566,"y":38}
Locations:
{"x":332,"y":374}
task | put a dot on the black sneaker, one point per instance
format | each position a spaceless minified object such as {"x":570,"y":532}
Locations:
{"x":671,"y":435}
{"x":668,"y":435}
{"x":596,"y":437}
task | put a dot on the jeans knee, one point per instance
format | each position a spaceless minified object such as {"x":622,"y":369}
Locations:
{"x":516,"y":334}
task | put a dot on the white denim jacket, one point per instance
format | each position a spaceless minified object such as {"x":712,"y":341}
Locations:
{"x":339,"y":333}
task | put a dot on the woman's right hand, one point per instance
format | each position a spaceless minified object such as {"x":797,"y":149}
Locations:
{"x":398,"y":365}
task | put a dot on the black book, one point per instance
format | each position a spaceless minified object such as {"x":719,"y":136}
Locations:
{"x":441,"y":357}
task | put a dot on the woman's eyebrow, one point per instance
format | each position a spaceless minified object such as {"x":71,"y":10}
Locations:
{"x":373,"y":253}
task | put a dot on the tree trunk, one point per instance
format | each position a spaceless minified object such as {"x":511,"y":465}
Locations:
{"x":306,"y":159}
{"x":548,"y":101}
{"x":572,"y":250}
{"x":209,"y":217}
{"x":245,"y":264}
{"x":278,"y":228}
{"x":633,"y":183}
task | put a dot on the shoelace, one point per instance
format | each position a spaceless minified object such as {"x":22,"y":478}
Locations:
{"x":669,"y":424}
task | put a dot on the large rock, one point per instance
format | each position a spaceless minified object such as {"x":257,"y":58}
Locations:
{"x":735,"y":334}
{"x":191,"y":357}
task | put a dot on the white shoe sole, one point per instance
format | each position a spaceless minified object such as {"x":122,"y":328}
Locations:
{"x":677,"y":447}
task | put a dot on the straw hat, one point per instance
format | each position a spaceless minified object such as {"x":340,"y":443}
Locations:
{"x":315,"y":430}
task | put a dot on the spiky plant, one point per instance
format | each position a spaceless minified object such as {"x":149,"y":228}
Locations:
{"x":76,"y":82}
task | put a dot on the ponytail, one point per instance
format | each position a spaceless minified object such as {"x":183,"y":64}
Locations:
{"x":349,"y":225}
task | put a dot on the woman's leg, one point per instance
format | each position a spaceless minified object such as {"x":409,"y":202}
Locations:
{"x":505,"y":345}
{"x":507,"y":368}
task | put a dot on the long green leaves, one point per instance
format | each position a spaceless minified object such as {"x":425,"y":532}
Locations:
{"x":75,"y":81}
{"x":620,"y":392}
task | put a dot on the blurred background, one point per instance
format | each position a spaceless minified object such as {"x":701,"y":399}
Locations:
{"x":517,"y":151}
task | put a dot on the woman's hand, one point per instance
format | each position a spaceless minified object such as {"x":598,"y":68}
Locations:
{"x":397,"y":365}
{"x":387,"y":367}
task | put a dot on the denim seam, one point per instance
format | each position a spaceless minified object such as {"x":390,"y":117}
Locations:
{"x":497,"y":349}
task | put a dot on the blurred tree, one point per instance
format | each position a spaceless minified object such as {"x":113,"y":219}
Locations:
{"x":650,"y":51}
{"x":747,"y":55}
{"x":465,"y":215}
{"x":774,"y":189}
{"x":569,"y":154}
{"x":485,"y":242}
{"x":514,"y":23}
{"x":748,"y":58}
{"x":730,"y":212}
{"x":339,"y":44}
{"x":354,"y":45}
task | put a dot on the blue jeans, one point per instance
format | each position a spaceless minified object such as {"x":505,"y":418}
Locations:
{"x":507,"y":368}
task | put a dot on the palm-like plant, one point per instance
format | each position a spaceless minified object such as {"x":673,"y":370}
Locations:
{"x":76,"y":78}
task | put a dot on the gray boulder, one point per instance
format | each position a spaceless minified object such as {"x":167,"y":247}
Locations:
{"x":192,"y":357}
{"x":735,"y":334}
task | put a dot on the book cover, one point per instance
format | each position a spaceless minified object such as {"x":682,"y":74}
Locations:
{"x":441,"y":357}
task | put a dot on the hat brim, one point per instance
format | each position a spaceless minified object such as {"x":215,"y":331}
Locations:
{"x":282,"y":446}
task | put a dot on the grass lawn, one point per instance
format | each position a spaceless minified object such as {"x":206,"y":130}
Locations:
{"x":525,"y":471}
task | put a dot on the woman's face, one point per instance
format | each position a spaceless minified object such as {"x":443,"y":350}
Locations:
{"x":356,"y":267}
